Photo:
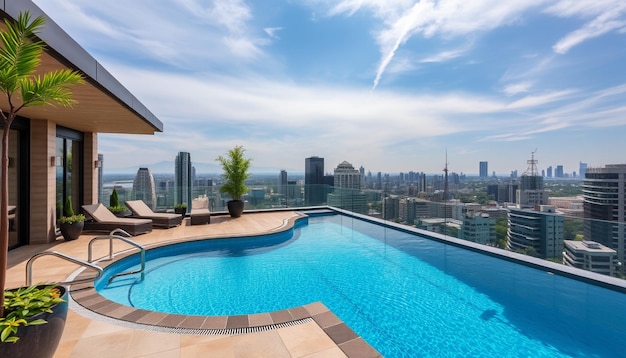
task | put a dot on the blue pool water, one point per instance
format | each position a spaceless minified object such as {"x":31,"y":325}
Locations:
{"x":406,"y":295}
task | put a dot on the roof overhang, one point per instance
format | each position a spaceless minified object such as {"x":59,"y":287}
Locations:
{"x":103,"y":104}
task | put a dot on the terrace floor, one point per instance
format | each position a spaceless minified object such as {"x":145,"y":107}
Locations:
{"x":91,"y":336}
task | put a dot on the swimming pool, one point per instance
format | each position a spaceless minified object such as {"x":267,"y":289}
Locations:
{"x":404,"y":294}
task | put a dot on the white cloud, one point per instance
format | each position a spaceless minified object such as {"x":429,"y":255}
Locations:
{"x":271,"y":31}
{"x":608,"y":21}
{"x":177,"y":33}
{"x":516,"y":88}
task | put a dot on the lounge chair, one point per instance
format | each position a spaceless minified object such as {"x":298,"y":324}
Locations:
{"x":142,"y":211}
{"x":200,"y":213}
{"x":105,"y":220}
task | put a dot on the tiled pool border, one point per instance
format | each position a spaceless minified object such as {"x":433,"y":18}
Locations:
{"x":344,"y":337}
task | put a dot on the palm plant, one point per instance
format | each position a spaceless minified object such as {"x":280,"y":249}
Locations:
{"x":20,"y":57}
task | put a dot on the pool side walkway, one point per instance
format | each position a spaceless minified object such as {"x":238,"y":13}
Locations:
{"x":318,"y":332}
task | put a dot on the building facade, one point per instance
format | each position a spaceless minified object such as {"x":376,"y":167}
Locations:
{"x":314,"y":190}
{"x":604,"y":201}
{"x":183,"y":179}
{"x":479,"y":228}
{"x":483,"y":170}
{"x":539,"y":231}
{"x":590,"y":256}
{"x":144,"y":188}
{"x":347,"y":189}
{"x":53,"y":151}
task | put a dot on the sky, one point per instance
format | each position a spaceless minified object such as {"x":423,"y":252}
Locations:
{"x":393,"y":86}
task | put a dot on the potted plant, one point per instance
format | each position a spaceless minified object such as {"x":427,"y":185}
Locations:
{"x":24,"y":86}
{"x":33,"y":322}
{"x":71,"y":224}
{"x":114,"y":205}
{"x":180,"y":208}
{"x":235,"y":168}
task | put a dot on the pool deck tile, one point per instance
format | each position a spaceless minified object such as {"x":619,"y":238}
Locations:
{"x":260,"y":319}
{"x":340,"y":333}
{"x":315,"y":308}
{"x":152,"y":318}
{"x":215,"y":322}
{"x":281,"y":316}
{"x":326,"y":319}
{"x":237,"y":322}
{"x":298,"y":313}
{"x":325,"y":336}
{"x":172,"y":320}
{"x":134,"y":316}
{"x":192,"y":322}
{"x":359,"y":348}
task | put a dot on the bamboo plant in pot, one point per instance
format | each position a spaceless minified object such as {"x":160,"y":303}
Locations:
{"x":22,"y":86}
{"x":235,"y":168}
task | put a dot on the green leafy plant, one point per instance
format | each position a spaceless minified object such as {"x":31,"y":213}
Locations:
{"x":114,"y":204}
{"x":235,"y":172}
{"x":180,"y":206}
{"x":23,"y":303}
{"x":68,"y":214}
{"x":24,"y":85}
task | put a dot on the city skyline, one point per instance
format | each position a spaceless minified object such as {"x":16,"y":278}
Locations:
{"x":385,"y":86}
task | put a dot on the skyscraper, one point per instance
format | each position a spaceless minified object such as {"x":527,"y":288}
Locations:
{"x":347,"y":177}
{"x":282,"y":182}
{"x":558,"y":172}
{"x":530,"y":192}
{"x":582,"y":169}
{"x":604,"y":208}
{"x":182,"y":179}
{"x":483,"y":170}
{"x":347,"y":185}
{"x":144,"y":188}
{"x":542,"y":230}
{"x":314,"y":181}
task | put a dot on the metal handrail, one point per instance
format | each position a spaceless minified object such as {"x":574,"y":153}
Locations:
{"x":110,"y":237}
{"x":29,"y":267}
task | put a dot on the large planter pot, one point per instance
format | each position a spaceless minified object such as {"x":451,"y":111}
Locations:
{"x":39,"y":341}
{"x":72,"y":231}
{"x":180,"y":211}
{"x":235,"y":208}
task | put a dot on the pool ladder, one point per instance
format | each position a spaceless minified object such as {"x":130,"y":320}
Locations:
{"x":89,"y":263}
{"x":112,"y":235}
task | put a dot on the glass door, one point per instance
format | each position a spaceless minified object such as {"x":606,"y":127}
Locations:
{"x":68,"y":159}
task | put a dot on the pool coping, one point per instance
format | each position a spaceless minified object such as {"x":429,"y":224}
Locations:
{"x":344,"y":337}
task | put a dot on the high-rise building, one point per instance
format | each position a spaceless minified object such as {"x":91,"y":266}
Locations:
{"x":582,"y":169}
{"x":314,"y":181}
{"x":558,"y":172}
{"x":144,"y":188}
{"x":530,"y":192}
{"x":346,"y":193}
{"x":478,"y":227}
{"x":604,"y":206}
{"x":282,"y":182}
{"x":540,"y":231}
{"x":347,"y":177}
{"x":183,"y":179}
{"x":549,"y":172}
{"x":482,"y":170}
